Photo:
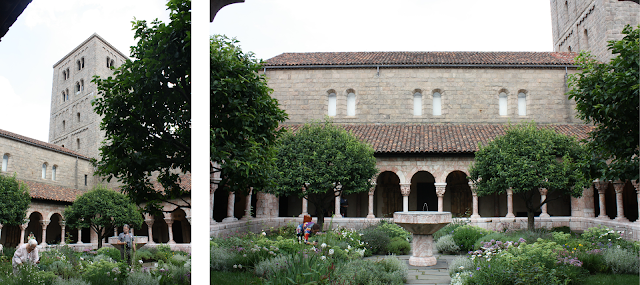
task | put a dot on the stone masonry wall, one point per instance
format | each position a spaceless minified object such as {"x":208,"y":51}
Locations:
{"x":469,"y":95}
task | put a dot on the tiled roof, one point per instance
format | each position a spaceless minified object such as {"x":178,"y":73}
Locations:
{"x":426,"y":58}
{"x":49,"y":192}
{"x":41,"y":144}
{"x":185,"y":183}
{"x":437,"y":138}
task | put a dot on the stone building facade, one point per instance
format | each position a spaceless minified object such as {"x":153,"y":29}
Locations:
{"x":60,"y":170}
{"x":425,"y":113}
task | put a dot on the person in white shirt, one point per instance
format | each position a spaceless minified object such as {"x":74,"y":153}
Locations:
{"x":26,"y":253}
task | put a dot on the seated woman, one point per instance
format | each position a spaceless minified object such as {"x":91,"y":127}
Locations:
{"x":305,"y":229}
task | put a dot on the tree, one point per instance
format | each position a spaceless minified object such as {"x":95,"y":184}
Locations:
{"x":146,"y":111}
{"x":320,"y":157}
{"x":14,"y":200}
{"x":606,"y":95}
{"x":527,"y":159}
{"x":244,"y":118}
{"x":101,"y":209}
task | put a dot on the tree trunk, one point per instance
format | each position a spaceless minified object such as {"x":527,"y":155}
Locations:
{"x":99,"y":239}
{"x":321,"y":219}
{"x":530,"y":220}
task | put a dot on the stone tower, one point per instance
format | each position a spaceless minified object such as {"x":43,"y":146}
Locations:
{"x":73,"y":123}
{"x":590,"y":24}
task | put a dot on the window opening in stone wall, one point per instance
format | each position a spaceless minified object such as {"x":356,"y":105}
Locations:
{"x":437,"y":104}
{"x":113,"y":63}
{"x":63,"y":124}
{"x":78,"y":142}
{"x":5,"y":162}
{"x":81,"y":84}
{"x":44,"y":170}
{"x":67,"y":94}
{"x":108,"y":61}
{"x":79,"y":65}
{"x":351,"y":104}
{"x":522,"y":104}
{"x":502,"y":104}
{"x":78,"y":116}
{"x":586,"y":39}
{"x":64,"y":97}
{"x":417,"y":104}
{"x":332,"y":104}
{"x":53,"y":172}
{"x":77,"y":87}
{"x":68,"y":73}
{"x":569,"y":49}
{"x":85,"y":180}
{"x":82,"y":62}
{"x":64,"y":75}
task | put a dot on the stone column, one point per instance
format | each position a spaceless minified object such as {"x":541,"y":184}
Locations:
{"x":405,"y":190}
{"x":601,"y":187}
{"x":23,"y":227}
{"x":474,"y":214}
{"x":230,"y":208}
{"x":337,"y":208}
{"x":510,"y":204}
{"x":619,"y":187}
{"x":79,"y":236}
{"x":169,"y":222}
{"x":63,"y":226}
{"x":372,"y":190}
{"x":44,"y":224}
{"x":440,"y":189}
{"x":1,"y":225}
{"x":115,"y":231}
{"x":213,"y":186}
{"x":635,"y":185}
{"x":543,"y":196}
{"x":149,"y":223}
{"x":247,"y":207}
{"x":304,"y":201}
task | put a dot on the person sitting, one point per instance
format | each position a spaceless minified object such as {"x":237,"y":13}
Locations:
{"x":304,"y":230}
{"x":26,"y":253}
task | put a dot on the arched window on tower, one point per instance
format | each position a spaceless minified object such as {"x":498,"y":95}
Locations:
{"x":77,"y":87}
{"x":5,"y":162}
{"x":417,"y":103}
{"x":78,"y":115}
{"x":569,"y":49}
{"x":586,"y":39}
{"x":68,"y":73}
{"x":82,"y":62}
{"x":351,"y":103}
{"x":108,"y":62}
{"x":64,"y":97}
{"x":502,"y":103}
{"x":113,"y":63}
{"x":332,"y":104}
{"x":81,"y":84}
{"x":67,"y":94}
{"x":522,"y":103}
{"x":78,"y":142}
{"x":79,"y":65}
{"x":63,"y":124}
{"x":53,"y":172}
{"x":437,"y":103}
{"x":64,"y":75}
{"x":44,"y":170}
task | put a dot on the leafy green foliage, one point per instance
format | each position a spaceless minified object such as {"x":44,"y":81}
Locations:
{"x":399,"y":246}
{"x":467,"y":236}
{"x":527,"y":159}
{"x":244,"y":118}
{"x":146,"y":110}
{"x":376,"y":240}
{"x":101,"y":209}
{"x":394,"y":230}
{"x":447,"y":245}
{"x":449,"y":228}
{"x":621,"y":260}
{"x":606,"y":94}
{"x":389,"y":270}
{"x":114,"y":253}
{"x":15,"y":198}
{"x":105,"y":273}
{"x":324,"y":156}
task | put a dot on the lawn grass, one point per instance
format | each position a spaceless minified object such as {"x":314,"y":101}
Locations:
{"x":606,"y":279}
{"x":233,"y":278}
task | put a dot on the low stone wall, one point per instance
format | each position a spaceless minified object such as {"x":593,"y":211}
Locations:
{"x":186,"y":247}
{"x":631,"y":230}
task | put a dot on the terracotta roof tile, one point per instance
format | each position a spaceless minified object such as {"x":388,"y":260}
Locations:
{"x":408,"y":58}
{"x":185,"y":183}
{"x":44,"y":191}
{"x":436,"y":138}
{"x":41,"y":144}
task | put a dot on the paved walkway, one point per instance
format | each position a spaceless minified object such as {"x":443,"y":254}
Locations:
{"x":432,"y":275}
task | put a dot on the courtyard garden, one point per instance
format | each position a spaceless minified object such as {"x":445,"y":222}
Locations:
{"x":62,"y":265}
{"x":599,"y":255}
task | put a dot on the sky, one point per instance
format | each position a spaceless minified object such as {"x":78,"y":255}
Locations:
{"x":44,"y":33}
{"x":269,"y":28}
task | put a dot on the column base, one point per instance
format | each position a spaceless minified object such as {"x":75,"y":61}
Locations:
{"x":510,"y":215}
{"x":423,"y":261}
{"x":545,"y":216}
{"x":245,"y":218}
{"x":621,"y":219}
{"x":303,"y":214}
{"x":337,"y":216}
{"x":475,"y":216}
{"x":371,"y":216}
{"x":43,"y":244}
{"x":171,"y":242}
{"x":79,"y":242}
{"x":229,"y":219}
{"x":605,"y":217}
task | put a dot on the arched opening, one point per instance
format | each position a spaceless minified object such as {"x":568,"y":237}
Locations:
{"x":220,"y":198}
{"x":610,"y":201}
{"x":458,"y":194}
{"x":629,"y":201}
{"x":422,"y":184}
{"x":181,"y":227}
{"x":34,"y":227}
{"x":86,"y":235}
{"x":54,"y":230}
{"x":387,"y":198}
{"x":160,"y":230}
{"x":10,"y":236}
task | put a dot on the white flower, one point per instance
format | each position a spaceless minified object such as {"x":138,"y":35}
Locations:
{"x":240,"y":266}
{"x":323,"y":245}
{"x":264,"y":234}
{"x":235,"y":266}
{"x":323,"y":257}
{"x":244,"y":255}
{"x":461,"y":267}
{"x":348,"y":247}
{"x":140,"y":261}
{"x":331,"y":251}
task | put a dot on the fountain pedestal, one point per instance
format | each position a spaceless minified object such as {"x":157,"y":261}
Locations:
{"x":422,"y":224}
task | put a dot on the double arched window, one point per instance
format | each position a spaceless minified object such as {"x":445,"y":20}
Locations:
{"x":80,"y":63}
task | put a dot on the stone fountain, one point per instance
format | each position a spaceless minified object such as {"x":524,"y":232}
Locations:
{"x":422,"y":224}
{"x":138,"y":241}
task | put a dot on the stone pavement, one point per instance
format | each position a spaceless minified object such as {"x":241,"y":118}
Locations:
{"x":432,"y":275}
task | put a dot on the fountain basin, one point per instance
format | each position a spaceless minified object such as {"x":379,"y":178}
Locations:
{"x":422,"y":224}
{"x":138,"y":241}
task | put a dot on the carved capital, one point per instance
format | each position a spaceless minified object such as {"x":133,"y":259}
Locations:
{"x":618,"y":186}
{"x":23,"y":226}
{"x":372,"y":189}
{"x":405,"y":189}
{"x":635,"y":185}
{"x":62,"y":223}
{"x":45,"y":223}
{"x":169,"y":221}
{"x":440,"y":189}
{"x":509,"y":192}
{"x":601,"y":186}
{"x":473,"y":188}
{"x":149,"y":222}
{"x":543,"y":191}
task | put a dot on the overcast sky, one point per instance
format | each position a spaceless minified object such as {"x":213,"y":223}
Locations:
{"x":269,"y":28}
{"x":44,"y":33}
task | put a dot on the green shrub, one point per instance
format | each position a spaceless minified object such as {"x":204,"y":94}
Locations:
{"x":8,"y":252}
{"x":101,"y":257}
{"x":162,"y":252}
{"x":389,"y":270}
{"x":221,"y":259}
{"x":173,"y":275}
{"x":29,"y":274}
{"x":105,"y":273}
{"x":178,"y":259}
{"x":308,"y":267}
{"x":141,"y":278}
{"x":70,"y":281}
{"x":446,"y":245}
{"x":593,"y":261}
{"x":270,"y":266}
{"x":448,"y":229}
{"x":467,"y":236}
{"x":393,"y":230}
{"x":144,"y":254}
{"x":114,"y":253}
{"x":621,"y":261}
{"x":460,"y":264}
{"x":375,"y":240}
{"x":563,"y":229}
{"x":63,"y":269}
{"x":399,"y":246}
